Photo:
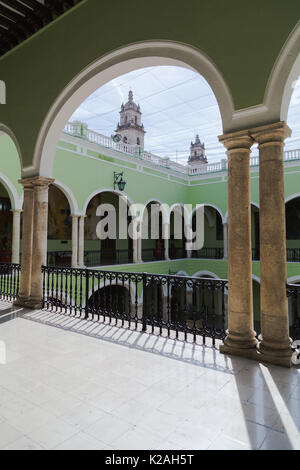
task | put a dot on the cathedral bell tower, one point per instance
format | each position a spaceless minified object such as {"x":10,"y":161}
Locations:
{"x":197,"y":155}
{"x":130,"y":127}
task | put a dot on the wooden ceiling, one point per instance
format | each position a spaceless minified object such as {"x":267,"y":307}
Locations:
{"x":20,"y":19}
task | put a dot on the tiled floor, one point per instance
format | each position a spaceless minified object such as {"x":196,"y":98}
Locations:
{"x":120,"y":389}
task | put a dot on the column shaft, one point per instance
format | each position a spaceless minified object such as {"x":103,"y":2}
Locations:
{"x":275,"y":343}
{"x":139,"y":250}
{"x":225,"y":238}
{"x":74,"y":241}
{"x":240,"y":336}
{"x":166,"y":236}
{"x":41,"y":187}
{"x":15,"y":257}
{"x":27,"y":238}
{"x":81,"y":242}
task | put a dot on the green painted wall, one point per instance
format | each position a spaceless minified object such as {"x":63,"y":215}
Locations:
{"x":9,"y":162}
{"x":241,"y":38}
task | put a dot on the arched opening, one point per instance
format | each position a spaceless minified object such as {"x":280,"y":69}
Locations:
{"x":6,"y":226}
{"x":154,"y":305}
{"x":11,"y":197}
{"x":126,"y":59}
{"x":177,"y":243}
{"x":294,"y":307}
{"x":292,"y":215}
{"x":59,"y":245}
{"x":198,"y":305}
{"x":213,"y":247}
{"x":115,"y":245}
{"x":152,"y":233}
{"x":112,"y":300}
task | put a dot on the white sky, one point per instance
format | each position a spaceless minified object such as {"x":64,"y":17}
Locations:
{"x":176,"y":104}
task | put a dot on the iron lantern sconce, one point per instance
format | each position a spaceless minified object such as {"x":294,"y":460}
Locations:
{"x":118,"y":181}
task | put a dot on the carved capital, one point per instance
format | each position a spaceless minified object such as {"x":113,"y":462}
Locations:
{"x":271,"y":133}
{"x":237,"y":141}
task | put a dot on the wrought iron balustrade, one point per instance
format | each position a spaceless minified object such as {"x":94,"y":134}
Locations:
{"x":106,"y":257}
{"x":153,"y":254}
{"x":209,"y":253}
{"x":293,"y":294}
{"x":293,"y":255}
{"x":177,"y":253}
{"x":167,"y":305}
{"x":59,"y":258}
{"x":9,"y":280}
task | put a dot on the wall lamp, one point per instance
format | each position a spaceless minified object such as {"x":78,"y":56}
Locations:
{"x":118,"y":181}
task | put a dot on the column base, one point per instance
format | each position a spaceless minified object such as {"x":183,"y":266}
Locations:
{"x":275,"y":348}
{"x":255,"y":355}
{"x":34,"y":304}
{"x":240,"y":341}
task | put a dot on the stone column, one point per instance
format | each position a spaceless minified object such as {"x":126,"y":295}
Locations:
{"x":225,"y":238}
{"x":27,"y":238}
{"x":275,"y":346}
{"x":166,"y":236}
{"x":240,"y":338}
{"x":74,"y":241}
{"x":39,"y":258}
{"x":139,"y":246}
{"x":188,"y":236}
{"x":81,"y":242}
{"x":15,"y":255}
{"x":135,"y":250}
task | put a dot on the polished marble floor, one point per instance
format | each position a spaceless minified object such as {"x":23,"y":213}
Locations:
{"x":71,"y":384}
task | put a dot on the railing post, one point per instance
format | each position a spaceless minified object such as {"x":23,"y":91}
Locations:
{"x":144,"y":302}
{"x":87,"y":278}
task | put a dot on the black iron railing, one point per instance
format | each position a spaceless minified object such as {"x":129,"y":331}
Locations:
{"x":91,"y":258}
{"x":107,"y":257}
{"x":153,"y":254}
{"x":209,"y":253}
{"x":293,"y":293}
{"x":9,"y":280}
{"x":177,"y":253}
{"x":293,"y":255}
{"x":183,"y":307}
{"x":59,"y":258}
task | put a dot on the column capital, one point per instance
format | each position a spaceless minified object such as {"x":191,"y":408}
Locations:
{"x":275,"y":132}
{"x":36,"y":181}
{"x":237,"y":140}
{"x":16,"y":211}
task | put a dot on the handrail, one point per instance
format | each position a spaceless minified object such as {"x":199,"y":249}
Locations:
{"x":80,"y":130}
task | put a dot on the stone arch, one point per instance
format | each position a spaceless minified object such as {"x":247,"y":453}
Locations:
{"x":285,"y":71}
{"x":290,"y":198}
{"x":213,"y":206}
{"x":206,"y":273}
{"x":15,"y":199}
{"x":131,"y":288}
{"x":108,"y":67}
{"x":105,"y":190}
{"x":6,"y":130}
{"x":69,"y":195}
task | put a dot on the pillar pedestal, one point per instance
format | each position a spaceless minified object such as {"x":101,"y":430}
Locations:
{"x":34,"y":242}
{"x":27,"y":237}
{"x":225,"y":240}
{"x":75,"y":241}
{"x":81,"y":241}
{"x":275,"y":343}
{"x":240,"y":339}
{"x":15,"y":255}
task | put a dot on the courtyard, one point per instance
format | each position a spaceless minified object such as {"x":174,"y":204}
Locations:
{"x":67,"y":383}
